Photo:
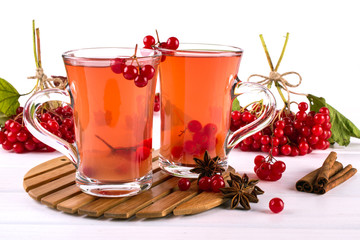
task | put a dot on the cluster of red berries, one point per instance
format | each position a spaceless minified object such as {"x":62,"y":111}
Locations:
{"x":213,"y":183}
{"x":268,"y":168}
{"x":292,"y":135}
{"x":140,"y":75}
{"x":157,"y":102}
{"x":216,"y":182}
{"x":16,"y":137}
{"x":203,"y":138}
{"x":172,"y":43}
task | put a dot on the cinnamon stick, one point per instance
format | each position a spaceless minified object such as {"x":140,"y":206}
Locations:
{"x":324,"y":173}
{"x":339,"y":178}
{"x":306,"y":184}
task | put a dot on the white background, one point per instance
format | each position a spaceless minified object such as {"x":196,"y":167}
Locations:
{"x":324,"y":43}
{"x":324,"y":47}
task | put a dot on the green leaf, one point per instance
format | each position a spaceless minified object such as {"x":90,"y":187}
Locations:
{"x":3,"y":119}
{"x":235,"y":105}
{"x":9,"y":98}
{"x":341,"y":127}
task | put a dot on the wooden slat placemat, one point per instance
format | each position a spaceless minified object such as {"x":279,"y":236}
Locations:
{"x":53,"y":184}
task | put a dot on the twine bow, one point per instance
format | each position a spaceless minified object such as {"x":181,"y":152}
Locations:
{"x":279,"y":80}
{"x":44,"y":82}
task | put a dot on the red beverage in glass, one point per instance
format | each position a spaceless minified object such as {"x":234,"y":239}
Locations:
{"x":113,"y":131}
{"x":198,"y":85}
{"x":113,"y":121}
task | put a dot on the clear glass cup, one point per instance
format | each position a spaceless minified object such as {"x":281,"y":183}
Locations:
{"x":198,"y":85}
{"x":112,"y":121}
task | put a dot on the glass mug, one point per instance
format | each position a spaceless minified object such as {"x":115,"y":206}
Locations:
{"x":198,"y":85}
{"x":112,"y":121}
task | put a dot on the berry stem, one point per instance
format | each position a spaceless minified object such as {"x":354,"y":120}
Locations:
{"x":261,"y":109}
{"x":269,"y":85}
{"x":256,"y":102}
{"x":266,"y":52}
{"x":19,"y":116}
{"x":38,"y":46}
{"x":135,"y":58}
{"x":34,"y":44}
{"x":136,"y":47}
{"x":282,"y":52}
{"x":182,"y":132}
{"x":30,"y":90}
{"x":106,"y":143}
{"x":157,"y":36}
{"x":134,"y":55}
{"x":278,"y":87}
{"x":116,"y":149}
{"x":36,"y":39}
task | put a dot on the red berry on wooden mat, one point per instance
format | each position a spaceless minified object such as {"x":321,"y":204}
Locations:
{"x":184,"y":184}
{"x":215,"y":177}
{"x":216,"y":184}
{"x":205,"y":184}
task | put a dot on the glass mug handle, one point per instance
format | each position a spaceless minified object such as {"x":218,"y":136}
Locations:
{"x":33,"y":125}
{"x":268,"y":114}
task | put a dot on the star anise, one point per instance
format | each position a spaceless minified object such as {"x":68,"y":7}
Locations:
{"x":242,"y":191}
{"x":207,"y":167}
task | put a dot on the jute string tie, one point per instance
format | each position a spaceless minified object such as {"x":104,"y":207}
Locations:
{"x":46,"y":82}
{"x":279,"y":79}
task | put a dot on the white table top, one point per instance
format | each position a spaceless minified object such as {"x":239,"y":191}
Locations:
{"x":333,"y":215}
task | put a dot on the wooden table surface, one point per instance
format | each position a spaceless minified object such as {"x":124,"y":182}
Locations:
{"x":334,"y":215}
